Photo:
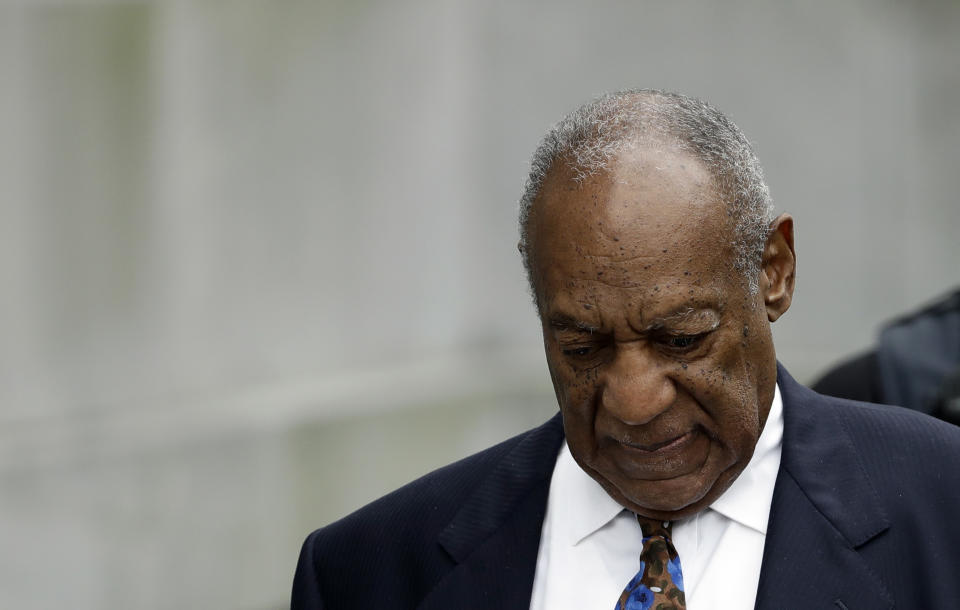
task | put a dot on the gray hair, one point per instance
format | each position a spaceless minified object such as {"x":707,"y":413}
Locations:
{"x":591,"y":137}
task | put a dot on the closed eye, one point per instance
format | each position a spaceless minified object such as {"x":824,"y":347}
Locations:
{"x":682,"y":343}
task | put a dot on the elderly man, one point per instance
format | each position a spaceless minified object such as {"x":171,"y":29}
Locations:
{"x":685,"y":469}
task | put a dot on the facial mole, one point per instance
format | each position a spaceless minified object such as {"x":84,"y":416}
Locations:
{"x":746,"y":330}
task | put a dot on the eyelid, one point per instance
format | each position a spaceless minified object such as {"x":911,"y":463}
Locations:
{"x":579,"y":341}
{"x":694,"y":331}
{"x":592,"y":343}
{"x":696,"y":342}
{"x":681,"y":332}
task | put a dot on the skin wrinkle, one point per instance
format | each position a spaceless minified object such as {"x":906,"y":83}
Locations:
{"x":675,"y":320}
{"x":618,"y":257}
{"x":664,"y":431}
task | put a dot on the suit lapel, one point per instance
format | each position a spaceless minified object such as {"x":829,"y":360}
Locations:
{"x":824,"y":509}
{"x":495,"y":537}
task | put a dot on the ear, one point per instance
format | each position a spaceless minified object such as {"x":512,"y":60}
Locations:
{"x":778,"y":267}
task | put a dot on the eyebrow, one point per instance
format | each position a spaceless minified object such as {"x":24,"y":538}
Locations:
{"x":564,"y":322}
{"x":682,"y":316}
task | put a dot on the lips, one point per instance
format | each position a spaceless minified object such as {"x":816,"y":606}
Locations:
{"x":663,"y":445}
{"x":668,"y":458}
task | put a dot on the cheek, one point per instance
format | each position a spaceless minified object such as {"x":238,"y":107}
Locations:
{"x":706,"y":380}
{"x":559,"y":383}
{"x":578,"y":392}
{"x":567,"y":386}
{"x":573,"y":388}
{"x":725,"y":389}
{"x":575,"y":394}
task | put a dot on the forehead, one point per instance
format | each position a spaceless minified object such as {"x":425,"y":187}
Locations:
{"x":644,"y":184}
{"x":650,"y":223}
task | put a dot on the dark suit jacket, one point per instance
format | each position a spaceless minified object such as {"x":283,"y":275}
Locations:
{"x":864,"y":515}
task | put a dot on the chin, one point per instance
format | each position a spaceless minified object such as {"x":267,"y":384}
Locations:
{"x":670,"y":499}
{"x":661,"y":504}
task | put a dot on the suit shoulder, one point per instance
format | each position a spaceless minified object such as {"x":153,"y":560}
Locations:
{"x":897,"y":426}
{"x":906,"y":453}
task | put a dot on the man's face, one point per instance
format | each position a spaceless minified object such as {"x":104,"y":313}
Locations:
{"x":661,"y":359}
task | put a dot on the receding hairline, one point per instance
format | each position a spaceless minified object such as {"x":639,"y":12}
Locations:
{"x":588,"y":138}
{"x":563,"y":172}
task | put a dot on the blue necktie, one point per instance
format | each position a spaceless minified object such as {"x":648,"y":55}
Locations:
{"x":659,"y":583}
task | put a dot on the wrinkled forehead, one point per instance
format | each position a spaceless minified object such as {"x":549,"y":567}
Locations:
{"x":648,"y":204}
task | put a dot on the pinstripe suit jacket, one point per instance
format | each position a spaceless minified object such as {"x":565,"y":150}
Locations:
{"x":864,"y":515}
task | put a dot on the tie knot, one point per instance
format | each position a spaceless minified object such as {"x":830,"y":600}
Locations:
{"x":654,"y":527}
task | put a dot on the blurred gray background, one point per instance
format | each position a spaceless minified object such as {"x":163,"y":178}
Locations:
{"x":258,"y":261}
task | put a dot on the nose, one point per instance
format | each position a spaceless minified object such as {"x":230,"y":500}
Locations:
{"x":636,"y":387}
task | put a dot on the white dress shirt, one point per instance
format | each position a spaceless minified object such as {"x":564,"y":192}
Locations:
{"x":590,"y":545}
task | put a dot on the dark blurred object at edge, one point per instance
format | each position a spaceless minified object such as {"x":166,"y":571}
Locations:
{"x":916,"y":364}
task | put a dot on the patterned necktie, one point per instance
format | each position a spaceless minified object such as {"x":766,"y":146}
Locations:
{"x":659,"y":583}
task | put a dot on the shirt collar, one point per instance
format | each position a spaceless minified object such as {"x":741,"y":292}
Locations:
{"x":749,"y":497}
{"x":586,"y":507}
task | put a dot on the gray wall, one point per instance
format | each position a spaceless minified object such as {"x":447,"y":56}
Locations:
{"x":258,"y":262}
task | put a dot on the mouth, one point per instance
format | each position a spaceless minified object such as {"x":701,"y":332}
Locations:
{"x":666,"y":458}
{"x":677,"y":442}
